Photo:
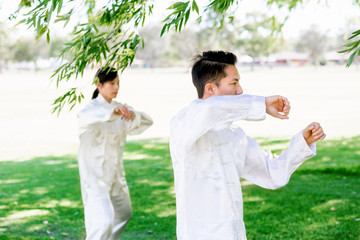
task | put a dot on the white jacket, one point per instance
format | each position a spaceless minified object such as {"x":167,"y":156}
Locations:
{"x":210,"y":154}
{"x":102,"y":139}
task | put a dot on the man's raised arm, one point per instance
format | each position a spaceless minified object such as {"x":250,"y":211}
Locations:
{"x":214,"y":112}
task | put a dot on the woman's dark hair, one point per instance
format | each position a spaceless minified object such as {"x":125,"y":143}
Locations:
{"x":104,"y":75}
{"x":210,"y":67}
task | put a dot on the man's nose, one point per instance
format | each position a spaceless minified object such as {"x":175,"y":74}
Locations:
{"x":239,"y":90}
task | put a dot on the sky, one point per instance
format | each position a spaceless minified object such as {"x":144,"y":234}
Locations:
{"x":331,"y":18}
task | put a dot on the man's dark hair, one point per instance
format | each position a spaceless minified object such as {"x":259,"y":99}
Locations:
{"x":210,"y":67}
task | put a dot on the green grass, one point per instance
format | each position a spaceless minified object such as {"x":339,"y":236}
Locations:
{"x":40,"y":198}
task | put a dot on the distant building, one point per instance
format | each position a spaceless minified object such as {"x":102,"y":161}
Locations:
{"x":244,"y":59}
{"x":288,"y":58}
{"x":336,"y":58}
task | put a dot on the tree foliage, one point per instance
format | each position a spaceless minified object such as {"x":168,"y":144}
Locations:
{"x":261,"y":31}
{"x":24,"y":50}
{"x":4,"y":45}
{"x":107,"y":38}
{"x":109,"y":34}
{"x":353,"y":46}
{"x":314,"y":43}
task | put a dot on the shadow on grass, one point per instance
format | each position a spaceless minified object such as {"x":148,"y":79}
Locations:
{"x":150,"y":179}
{"x":40,"y":198}
{"x":321,"y":201}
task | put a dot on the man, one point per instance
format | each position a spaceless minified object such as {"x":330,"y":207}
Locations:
{"x":210,"y":153}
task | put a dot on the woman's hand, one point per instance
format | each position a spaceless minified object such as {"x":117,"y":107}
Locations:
{"x":127,"y":114}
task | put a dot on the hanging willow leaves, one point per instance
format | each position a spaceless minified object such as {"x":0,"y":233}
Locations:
{"x":108,"y":36}
{"x":352,"y":47}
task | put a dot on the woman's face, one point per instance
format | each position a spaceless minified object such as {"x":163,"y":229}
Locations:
{"x":109,"y":89}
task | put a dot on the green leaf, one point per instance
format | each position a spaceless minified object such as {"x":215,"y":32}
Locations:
{"x":187,"y":14}
{"x":178,"y":5}
{"x":195,"y":7}
{"x":48,"y":36}
{"x":103,"y":50}
{"x":53,"y":5}
{"x":20,"y":22}
{"x":49,"y":17}
{"x":355,"y":34}
{"x":350,"y":60}
{"x":38,"y":26}
{"x":43,"y":29}
{"x":351,"y":44}
{"x":72,"y":106}
{"x":34,"y":21}
{"x":60,"y":6}
{"x":179,"y":25}
{"x":95,"y":28}
{"x":198,"y":20}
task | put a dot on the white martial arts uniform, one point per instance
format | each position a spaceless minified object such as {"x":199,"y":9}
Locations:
{"x":210,"y":154}
{"x":105,"y":194}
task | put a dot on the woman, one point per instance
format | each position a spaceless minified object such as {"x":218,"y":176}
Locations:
{"x":104,"y":125}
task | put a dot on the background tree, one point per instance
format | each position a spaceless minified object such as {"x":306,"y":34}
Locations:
{"x":56,"y":46}
{"x":314,"y":43}
{"x":4,"y":46}
{"x":25,"y":50}
{"x":259,"y":35}
{"x":108,"y":35}
{"x":256,"y":35}
{"x":184,"y":45}
{"x":155,"y":48}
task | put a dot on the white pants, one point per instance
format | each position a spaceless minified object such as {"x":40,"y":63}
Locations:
{"x":106,"y":218}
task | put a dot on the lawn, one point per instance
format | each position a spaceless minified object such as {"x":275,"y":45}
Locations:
{"x":40,"y":198}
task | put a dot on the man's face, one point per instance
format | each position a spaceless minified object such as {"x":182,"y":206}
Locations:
{"x":230,"y":84}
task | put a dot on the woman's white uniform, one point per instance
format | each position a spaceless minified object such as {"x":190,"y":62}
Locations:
{"x":105,"y":194}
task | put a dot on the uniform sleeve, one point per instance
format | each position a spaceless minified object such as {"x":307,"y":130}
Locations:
{"x":93,"y":115}
{"x":271,"y":171}
{"x":214,"y":112}
{"x":140,"y":123}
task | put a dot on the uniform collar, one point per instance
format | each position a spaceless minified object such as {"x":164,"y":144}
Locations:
{"x":101,"y":99}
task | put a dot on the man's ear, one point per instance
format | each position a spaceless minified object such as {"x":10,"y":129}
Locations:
{"x":209,"y":89}
{"x":98,"y":85}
